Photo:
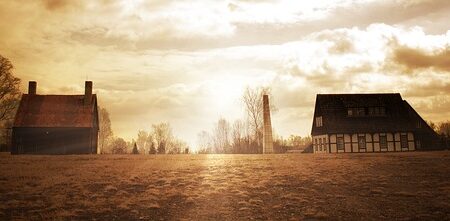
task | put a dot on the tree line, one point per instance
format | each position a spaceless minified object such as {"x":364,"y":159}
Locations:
{"x":159,"y":140}
{"x":245,"y":136}
{"x":441,"y":128}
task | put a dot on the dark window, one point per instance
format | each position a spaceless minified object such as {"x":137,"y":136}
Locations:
{"x":320,"y":143}
{"x":340,"y":143}
{"x":418,"y":146}
{"x":360,"y":112}
{"x":362,"y":142}
{"x":377,"y":111}
{"x":316,"y":145}
{"x":350,"y":112}
{"x":404,"y":141}
{"x":383,"y":141}
{"x":319,"y":122}
{"x":419,"y":124}
{"x":356,"y":112}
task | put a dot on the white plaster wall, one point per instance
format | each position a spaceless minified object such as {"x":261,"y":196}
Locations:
{"x":368,"y":138}
{"x":376,"y":147}
{"x":369,"y":147}
{"x":333,"y":138}
{"x":397,"y":136}
{"x":389,"y":137}
{"x":333,"y":148}
{"x":397,"y":146}
{"x":346,"y":138}
{"x":355,"y":147}
{"x":376,"y":137}
{"x":348,"y":147}
{"x":410,"y":136}
{"x":391,"y":146}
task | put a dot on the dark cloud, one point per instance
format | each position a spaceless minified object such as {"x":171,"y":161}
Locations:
{"x":413,"y":59}
{"x":57,"y":4}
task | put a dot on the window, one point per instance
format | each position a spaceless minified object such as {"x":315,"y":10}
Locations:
{"x":360,"y":112}
{"x":370,"y":111}
{"x":356,"y":112}
{"x":419,"y":124}
{"x":320,"y":143}
{"x":404,"y":141}
{"x":319,"y":122}
{"x":340,"y":143}
{"x":362,"y":142}
{"x":350,"y":112}
{"x":316,"y":144}
{"x":383,"y":141}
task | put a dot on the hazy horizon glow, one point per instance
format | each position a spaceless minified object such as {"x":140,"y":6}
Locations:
{"x":187,"y":62}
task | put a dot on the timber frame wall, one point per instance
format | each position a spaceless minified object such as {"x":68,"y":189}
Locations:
{"x":364,"y":142}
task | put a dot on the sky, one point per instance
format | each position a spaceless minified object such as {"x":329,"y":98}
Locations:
{"x":188,"y":62}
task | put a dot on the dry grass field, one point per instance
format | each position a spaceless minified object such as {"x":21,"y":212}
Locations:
{"x":400,"y":186}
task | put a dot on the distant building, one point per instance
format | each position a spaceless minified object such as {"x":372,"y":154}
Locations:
{"x":56,"y":124}
{"x":353,"y":123}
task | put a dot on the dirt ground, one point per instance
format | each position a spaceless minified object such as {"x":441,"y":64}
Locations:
{"x":400,"y":186}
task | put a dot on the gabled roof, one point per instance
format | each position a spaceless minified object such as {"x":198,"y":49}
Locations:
{"x":56,"y":111}
{"x":333,"y":109}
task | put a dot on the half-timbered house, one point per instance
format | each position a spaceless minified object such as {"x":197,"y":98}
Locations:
{"x":353,"y":123}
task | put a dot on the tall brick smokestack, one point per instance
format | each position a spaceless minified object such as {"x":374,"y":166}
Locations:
{"x":267,"y":132}
{"x":88,"y":93}
{"x":32,"y":87}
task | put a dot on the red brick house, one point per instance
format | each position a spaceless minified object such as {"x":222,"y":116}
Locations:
{"x":56,"y":124}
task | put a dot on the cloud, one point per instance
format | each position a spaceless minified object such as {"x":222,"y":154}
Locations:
{"x":415,"y":59}
{"x":54,"y":5}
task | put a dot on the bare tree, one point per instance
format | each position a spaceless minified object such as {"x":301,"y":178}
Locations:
{"x":294,"y":141}
{"x":141,"y":141}
{"x":444,"y":128}
{"x":204,"y":142}
{"x":150,"y":144}
{"x":105,"y":134}
{"x":119,"y":146}
{"x":433,"y":126}
{"x":9,"y":90}
{"x":177,"y":146}
{"x":221,"y":137}
{"x":162,"y":134}
{"x":238,"y":135}
{"x":252,"y":99}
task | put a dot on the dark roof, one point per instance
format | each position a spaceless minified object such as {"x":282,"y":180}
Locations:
{"x":333,"y":109}
{"x":56,"y":111}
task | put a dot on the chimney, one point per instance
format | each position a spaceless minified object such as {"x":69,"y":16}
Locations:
{"x":32,"y":85}
{"x":88,"y":93}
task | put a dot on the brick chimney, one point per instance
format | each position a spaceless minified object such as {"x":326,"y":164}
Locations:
{"x":87,"y":92}
{"x":32,"y":87}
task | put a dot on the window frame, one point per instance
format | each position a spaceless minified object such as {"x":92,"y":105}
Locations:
{"x":383,"y":145}
{"x":404,"y":141}
{"x":362,"y":138}
{"x":340,"y":144}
